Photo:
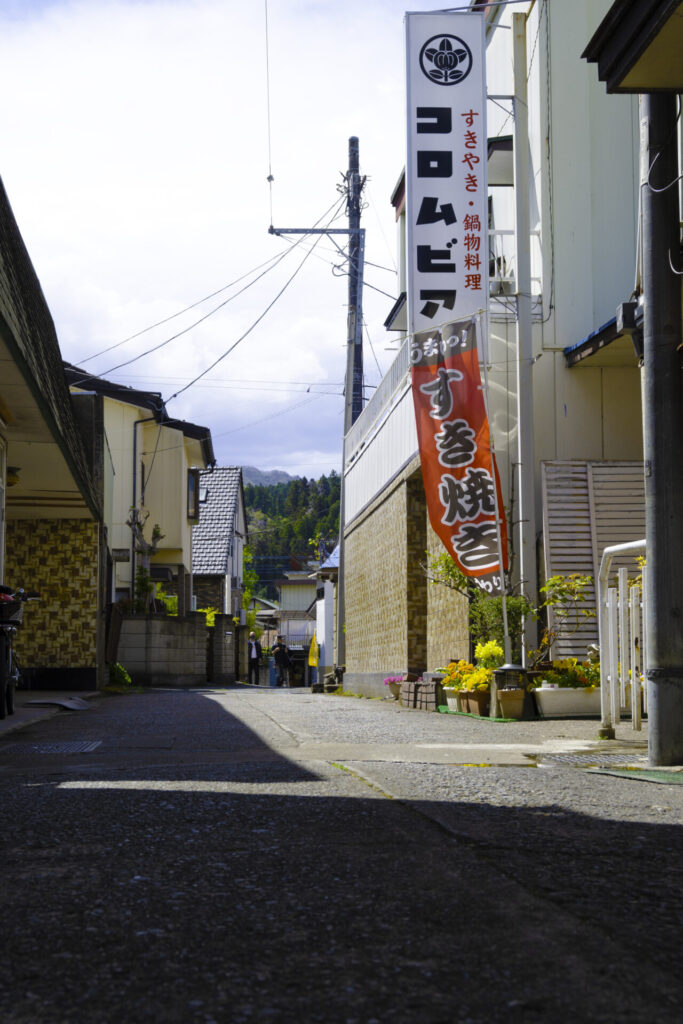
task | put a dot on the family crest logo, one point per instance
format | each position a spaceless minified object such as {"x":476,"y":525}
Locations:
{"x":446,"y":59}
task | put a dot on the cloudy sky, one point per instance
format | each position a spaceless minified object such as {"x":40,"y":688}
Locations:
{"x":134,"y":147}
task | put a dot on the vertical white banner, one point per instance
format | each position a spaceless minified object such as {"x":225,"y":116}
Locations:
{"x":446,"y":180}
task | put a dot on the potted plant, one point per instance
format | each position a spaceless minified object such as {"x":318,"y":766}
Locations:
{"x":394,"y":684}
{"x":563,"y":607}
{"x":467,"y":686}
{"x":454,"y":675}
{"x":476,"y":692}
{"x":569,"y":688}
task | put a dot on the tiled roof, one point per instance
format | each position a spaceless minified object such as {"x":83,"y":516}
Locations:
{"x":32,"y":340}
{"x":219,"y":494}
{"x":332,"y":562}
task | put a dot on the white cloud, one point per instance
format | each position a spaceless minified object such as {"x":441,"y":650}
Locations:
{"x":135,"y":157}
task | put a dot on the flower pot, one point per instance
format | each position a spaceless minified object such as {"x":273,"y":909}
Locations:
{"x":452,"y":698}
{"x":395,"y":690}
{"x":475,"y":702}
{"x":511,"y":703}
{"x":567,"y":702}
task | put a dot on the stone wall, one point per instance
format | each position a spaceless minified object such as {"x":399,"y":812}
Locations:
{"x":397,"y":622}
{"x":208,"y":590}
{"x":57,"y":644}
{"x":164,"y":650}
{"x":375,"y":561}
{"x":447,"y":616}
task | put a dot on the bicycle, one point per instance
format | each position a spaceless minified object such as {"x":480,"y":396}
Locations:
{"x":11,"y":616}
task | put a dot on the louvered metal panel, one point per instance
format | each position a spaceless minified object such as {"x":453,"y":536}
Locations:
{"x":618,"y":509}
{"x":568,"y":541}
{"x":586,"y":507}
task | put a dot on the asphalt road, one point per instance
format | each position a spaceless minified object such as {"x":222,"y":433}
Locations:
{"x":254,"y":855}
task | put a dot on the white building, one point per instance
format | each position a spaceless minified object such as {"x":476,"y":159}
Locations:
{"x":583,"y":399}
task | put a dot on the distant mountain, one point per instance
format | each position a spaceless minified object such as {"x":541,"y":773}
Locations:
{"x":265,"y":477}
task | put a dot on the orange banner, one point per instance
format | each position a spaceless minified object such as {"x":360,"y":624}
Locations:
{"x":458,"y":468}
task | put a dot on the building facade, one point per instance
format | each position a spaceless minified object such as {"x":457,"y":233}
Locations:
{"x":580,"y":196}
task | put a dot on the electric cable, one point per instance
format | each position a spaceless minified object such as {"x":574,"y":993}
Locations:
{"x":270,"y":178}
{"x":179,"y":334}
{"x":180,"y":312}
{"x":372,"y":348}
{"x":246,"y":333}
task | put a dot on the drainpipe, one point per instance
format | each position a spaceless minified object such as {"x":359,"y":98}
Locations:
{"x":526,"y":458}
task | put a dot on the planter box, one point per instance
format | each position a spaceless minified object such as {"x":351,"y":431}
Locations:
{"x":567,"y":702}
{"x":475,"y":703}
{"x":511,"y":703}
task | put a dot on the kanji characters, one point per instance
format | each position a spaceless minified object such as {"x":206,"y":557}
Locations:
{"x":467,"y":497}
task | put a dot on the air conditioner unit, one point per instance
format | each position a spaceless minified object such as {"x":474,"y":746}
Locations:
{"x":502,"y":286}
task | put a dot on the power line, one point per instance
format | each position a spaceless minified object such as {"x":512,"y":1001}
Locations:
{"x":267,"y":386}
{"x":246,"y":333}
{"x":179,"y":334}
{"x":180,"y":312}
{"x":261,"y":419}
{"x":185,"y":330}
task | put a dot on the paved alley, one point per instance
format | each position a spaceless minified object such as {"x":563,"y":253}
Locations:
{"x":256,"y":855}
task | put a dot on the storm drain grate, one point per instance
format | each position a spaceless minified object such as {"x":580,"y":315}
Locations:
{"x":68,"y":747}
{"x":587,"y":759}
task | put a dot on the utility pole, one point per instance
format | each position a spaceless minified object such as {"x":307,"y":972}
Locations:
{"x":354,"y":353}
{"x":662,"y":427}
{"x":353,"y":387}
{"x":353,"y":402}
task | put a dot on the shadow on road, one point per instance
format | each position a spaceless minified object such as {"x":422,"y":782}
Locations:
{"x":248,"y":888}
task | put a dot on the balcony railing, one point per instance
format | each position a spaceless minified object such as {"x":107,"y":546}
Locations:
{"x":502,"y":283}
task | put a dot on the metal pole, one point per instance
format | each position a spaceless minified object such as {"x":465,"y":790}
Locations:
{"x":526,"y":460}
{"x":341,"y":592}
{"x":507,"y":644}
{"x":662,"y":427}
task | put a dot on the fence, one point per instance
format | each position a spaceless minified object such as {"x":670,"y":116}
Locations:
{"x":622,"y":618}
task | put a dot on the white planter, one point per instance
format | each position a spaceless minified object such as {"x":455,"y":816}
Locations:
{"x":452,"y":699}
{"x":567,"y":702}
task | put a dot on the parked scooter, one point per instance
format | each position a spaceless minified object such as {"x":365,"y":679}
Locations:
{"x":11,"y":616}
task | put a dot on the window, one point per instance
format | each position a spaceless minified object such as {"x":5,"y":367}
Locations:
{"x":193,"y":495}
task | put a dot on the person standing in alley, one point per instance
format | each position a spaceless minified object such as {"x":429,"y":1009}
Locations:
{"x":254,"y":658}
{"x":282,"y":659}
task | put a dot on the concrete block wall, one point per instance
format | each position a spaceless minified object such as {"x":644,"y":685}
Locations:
{"x":164,"y":650}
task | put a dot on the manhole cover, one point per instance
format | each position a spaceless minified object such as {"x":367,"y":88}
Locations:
{"x":588,"y":759}
{"x":72,"y":747}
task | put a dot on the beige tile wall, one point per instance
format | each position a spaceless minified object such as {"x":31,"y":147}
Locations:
{"x":59,"y":559}
{"x":395,"y":620}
